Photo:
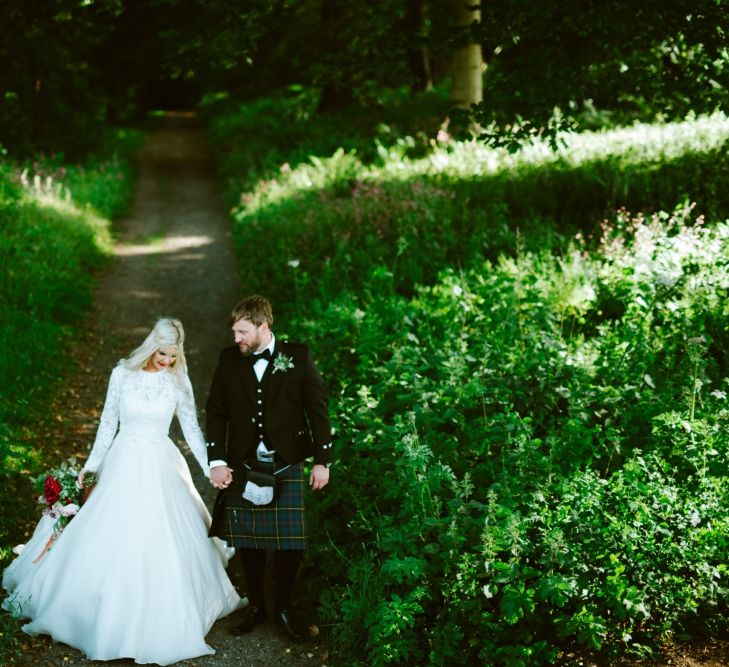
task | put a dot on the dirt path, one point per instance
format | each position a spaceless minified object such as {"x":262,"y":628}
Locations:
{"x":173,"y":258}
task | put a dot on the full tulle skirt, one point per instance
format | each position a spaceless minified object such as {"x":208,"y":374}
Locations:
{"x":134,"y":574}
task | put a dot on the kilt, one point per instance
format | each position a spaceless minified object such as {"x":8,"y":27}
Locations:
{"x":280,"y":525}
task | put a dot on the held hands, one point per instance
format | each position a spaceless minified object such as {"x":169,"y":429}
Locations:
{"x":221,"y":477}
{"x":319,"y":477}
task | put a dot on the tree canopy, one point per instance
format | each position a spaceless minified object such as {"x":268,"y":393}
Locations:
{"x":73,"y":64}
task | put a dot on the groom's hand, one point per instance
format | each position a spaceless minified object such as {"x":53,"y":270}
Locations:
{"x":221,"y":476}
{"x":319,"y":477}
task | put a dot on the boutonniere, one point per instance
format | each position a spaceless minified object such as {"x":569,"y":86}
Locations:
{"x":282,"y":363}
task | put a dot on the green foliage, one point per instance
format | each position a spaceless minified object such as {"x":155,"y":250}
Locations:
{"x":552,"y":64}
{"x":531,"y":425}
{"x":51,"y":96}
{"x":347,"y":49}
{"x":549,"y":65}
{"x":420,"y":205}
{"x":522,"y":469}
{"x":54,"y":236}
{"x":262,"y":139}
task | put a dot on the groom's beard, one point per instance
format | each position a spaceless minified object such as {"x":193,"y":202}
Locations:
{"x":247,"y":349}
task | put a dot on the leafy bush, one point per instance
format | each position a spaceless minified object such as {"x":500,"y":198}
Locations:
{"x":255,"y":138}
{"x":459,"y":203}
{"x":515,"y":468}
{"x":55,"y":234}
{"x":530,"y":405}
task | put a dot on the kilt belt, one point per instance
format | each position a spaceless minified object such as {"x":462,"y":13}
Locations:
{"x":279,"y":525}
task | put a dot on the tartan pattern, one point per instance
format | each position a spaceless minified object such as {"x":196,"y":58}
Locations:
{"x":280,"y":525}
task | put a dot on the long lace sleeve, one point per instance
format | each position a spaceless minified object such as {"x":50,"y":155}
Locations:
{"x":108,"y":423}
{"x":187,"y":415}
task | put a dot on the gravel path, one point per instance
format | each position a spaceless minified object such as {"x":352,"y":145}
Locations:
{"x":173,"y":257}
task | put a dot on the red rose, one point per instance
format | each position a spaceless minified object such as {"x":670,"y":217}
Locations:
{"x":51,"y":490}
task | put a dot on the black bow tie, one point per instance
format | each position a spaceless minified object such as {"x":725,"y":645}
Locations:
{"x":266,"y":354}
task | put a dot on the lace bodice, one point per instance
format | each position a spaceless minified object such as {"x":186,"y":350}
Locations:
{"x":138,"y":402}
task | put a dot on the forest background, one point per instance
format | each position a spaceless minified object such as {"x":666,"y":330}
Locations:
{"x":510,"y":221}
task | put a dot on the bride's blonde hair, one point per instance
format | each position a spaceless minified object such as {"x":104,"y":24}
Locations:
{"x":167,"y":333}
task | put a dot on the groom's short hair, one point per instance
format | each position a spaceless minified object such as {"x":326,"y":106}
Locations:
{"x":255,"y":308}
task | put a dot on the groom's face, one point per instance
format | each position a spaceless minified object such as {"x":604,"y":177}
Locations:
{"x":249,"y":337}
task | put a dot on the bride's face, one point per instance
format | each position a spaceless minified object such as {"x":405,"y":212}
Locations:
{"x":249,"y":337}
{"x":162,"y":359}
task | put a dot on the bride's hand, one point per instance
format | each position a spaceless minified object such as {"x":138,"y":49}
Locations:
{"x":221,"y":476}
{"x":80,"y":480}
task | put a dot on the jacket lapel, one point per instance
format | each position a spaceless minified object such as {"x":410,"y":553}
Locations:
{"x":270,"y":379}
{"x":245,"y":374}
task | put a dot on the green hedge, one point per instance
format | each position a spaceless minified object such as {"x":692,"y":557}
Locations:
{"x":515,"y":467}
{"x":55,"y":234}
{"x":331,"y":217}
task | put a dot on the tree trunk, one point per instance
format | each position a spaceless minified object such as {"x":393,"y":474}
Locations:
{"x":467,"y":65}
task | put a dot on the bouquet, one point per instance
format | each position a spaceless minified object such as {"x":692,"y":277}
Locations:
{"x":61,"y":496}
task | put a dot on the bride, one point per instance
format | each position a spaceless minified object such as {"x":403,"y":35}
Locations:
{"x":134,"y":574}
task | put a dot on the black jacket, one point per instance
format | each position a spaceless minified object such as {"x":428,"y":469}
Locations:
{"x":295,"y":418}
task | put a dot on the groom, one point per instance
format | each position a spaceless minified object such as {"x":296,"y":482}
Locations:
{"x":266,"y":413}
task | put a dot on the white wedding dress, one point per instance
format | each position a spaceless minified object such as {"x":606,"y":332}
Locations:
{"x":134,"y":574}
